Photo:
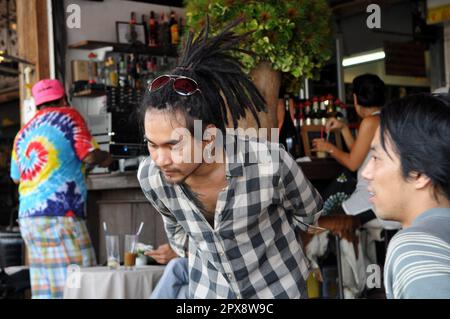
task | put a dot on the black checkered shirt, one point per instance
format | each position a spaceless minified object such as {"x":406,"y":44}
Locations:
{"x":254,"y":249}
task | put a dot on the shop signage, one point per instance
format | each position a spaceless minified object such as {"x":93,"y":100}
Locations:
{"x":438,"y":14}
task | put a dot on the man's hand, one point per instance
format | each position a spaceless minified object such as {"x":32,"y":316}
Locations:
{"x":163,"y":254}
{"x":98,"y":157}
{"x":108,"y":161}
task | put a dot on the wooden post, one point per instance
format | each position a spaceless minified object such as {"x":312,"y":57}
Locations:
{"x":32,"y":34}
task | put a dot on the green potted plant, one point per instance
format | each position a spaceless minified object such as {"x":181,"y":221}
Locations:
{"x":291,"y":37}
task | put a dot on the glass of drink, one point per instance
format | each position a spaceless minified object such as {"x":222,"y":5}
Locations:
{"x":130,"y":251}
{"x":322,"y":155}
{"x":112,"y":251}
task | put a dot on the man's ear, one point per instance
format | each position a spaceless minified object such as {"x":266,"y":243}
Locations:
{"x":420,"y":180}
{"x":210,"y":133}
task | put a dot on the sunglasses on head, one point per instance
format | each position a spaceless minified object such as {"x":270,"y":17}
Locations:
{"x":181,"y":84}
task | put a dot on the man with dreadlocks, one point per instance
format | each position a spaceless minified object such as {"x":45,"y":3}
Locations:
{"x":238,"y":222}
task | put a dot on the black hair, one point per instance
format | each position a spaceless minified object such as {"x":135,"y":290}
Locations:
{"x":224,"y":86}
{"x":369,"y":90}
{"x":53,"y":103}
{"x":418,"y":127}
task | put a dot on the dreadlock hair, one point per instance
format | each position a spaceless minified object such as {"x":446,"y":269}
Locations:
{"x":222,"y":82}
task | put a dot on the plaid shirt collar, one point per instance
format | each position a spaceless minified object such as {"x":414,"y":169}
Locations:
{"x":253,"y":249}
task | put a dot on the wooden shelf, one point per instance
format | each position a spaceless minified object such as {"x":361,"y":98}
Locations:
{"x":125,"y":48}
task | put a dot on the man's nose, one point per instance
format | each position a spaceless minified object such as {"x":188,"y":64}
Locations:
{"x":163,"y":157}
{"x":367,"y":172}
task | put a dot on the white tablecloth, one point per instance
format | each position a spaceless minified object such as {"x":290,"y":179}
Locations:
{"x":103,"y":283}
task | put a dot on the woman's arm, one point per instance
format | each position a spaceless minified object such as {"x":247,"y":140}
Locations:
{"x":359,"y":149}
{"x":348,"y":137}
{"x":335,"y":124}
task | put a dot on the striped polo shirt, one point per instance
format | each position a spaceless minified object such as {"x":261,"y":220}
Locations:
{"x":418,"y":258}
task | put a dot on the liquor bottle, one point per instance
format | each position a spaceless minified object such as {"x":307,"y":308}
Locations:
{"x":298,"y":123}
{"x":144,"y":23}
{"x":180,"y":27}
{"x":315,"y":111}
{"x":131,"y":70}
{"x":139,"y":74}
{"x":132,"y":34}
{"x":301,"y":110}
{"x":288,"y":135}
{"x":339,"y":113}
{"x":152,"y":30}
{"x":323,"y":111}
{"x":122,"y":71}
{"x":164,"y":32}
{"x":330,"y":106}
{"x":307,"y":113}
{"x":113,"y":77}
{"x":173,"y":24}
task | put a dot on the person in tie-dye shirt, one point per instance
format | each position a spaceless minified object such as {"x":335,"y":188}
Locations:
{"x":48,"y":159}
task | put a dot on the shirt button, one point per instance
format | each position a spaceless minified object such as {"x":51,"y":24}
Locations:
{"x":221,"y":254}
{"x":238,"y":296}
{"x":230,"y":276}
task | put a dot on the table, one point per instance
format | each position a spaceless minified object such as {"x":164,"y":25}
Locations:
{"x":103,"y":283}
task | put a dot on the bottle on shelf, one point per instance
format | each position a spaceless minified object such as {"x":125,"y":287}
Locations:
{"x":330,"y":106}
{"x":298,"y":123}
{"x":131,"y":70}
{"x":122,"y":71}
{"x":144,"y":23}
{"x":180,"y":27}
{"x":173,"y":25}
{"x":315,"y":116}
{"x":322,"y":111}
{"x":288,"y":135}
{"x":132,"y":34}
{"x":152,"y":30}
{"x":92,"y":68}
{"x":300,"y":112}
{"x":307,"y":113}
{"x":110,"y":64}
{"x":139,"y":74}
{"x":339,"y":112}
{"x":164,"y":32}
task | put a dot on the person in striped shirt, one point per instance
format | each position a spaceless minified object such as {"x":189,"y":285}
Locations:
{"x":409,"y":182}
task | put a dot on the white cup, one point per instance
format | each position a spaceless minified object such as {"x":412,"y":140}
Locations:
{"x":122,"y":165}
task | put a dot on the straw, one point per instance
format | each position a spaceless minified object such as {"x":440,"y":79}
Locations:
{"x":140,"y":229}
{"x":137,"y":235}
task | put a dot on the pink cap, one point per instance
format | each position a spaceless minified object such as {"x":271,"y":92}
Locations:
{"x":47,"y":90}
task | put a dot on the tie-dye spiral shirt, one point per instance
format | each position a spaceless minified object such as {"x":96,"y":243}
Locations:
{"x":47,"y":160}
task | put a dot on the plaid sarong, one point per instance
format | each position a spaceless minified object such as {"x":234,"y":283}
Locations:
{"x":53,"y":244}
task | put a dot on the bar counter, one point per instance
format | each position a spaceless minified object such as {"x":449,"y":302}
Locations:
{"x":116,"y":198}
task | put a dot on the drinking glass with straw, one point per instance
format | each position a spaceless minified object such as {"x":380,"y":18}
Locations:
{"x":112,"y":249}
{"x":130,"y":248}
{"x":321,"y":154}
